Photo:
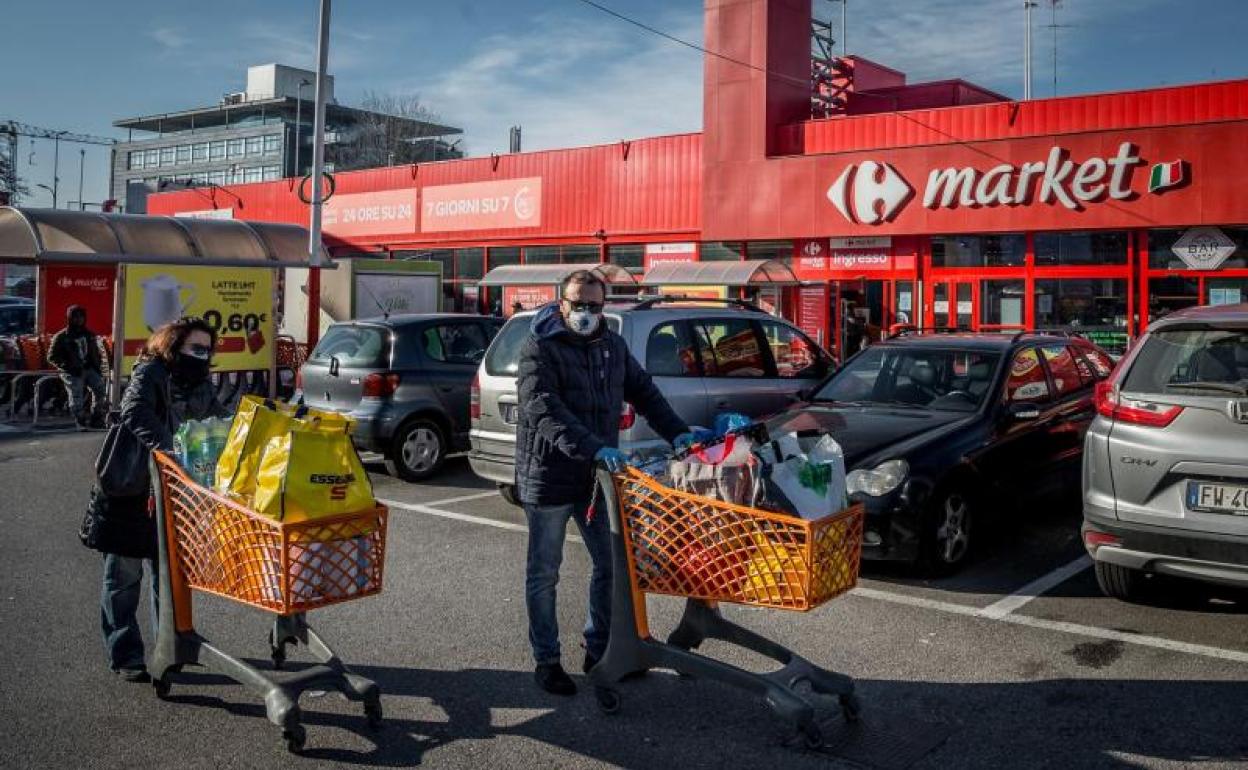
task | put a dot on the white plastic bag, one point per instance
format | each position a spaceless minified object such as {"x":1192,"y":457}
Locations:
{"x":805,"y":477}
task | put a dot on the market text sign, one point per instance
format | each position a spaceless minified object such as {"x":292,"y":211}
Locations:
{"x":90,"y":286}
{"x":872,"y":192}
{"x":497,"y":205}
{"x":376,"y":213}
{"x":236,"y":302}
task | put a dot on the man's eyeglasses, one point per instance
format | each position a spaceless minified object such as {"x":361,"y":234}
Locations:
{"x":593,"y":307}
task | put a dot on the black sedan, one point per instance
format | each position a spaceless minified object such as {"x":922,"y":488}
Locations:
{"x":939,"y":430}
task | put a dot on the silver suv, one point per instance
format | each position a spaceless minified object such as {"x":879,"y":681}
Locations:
{"x":1165,"y":466}
{"x":705,"y":360}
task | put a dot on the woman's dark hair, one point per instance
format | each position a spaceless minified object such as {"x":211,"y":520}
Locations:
{"x":167,"y":340}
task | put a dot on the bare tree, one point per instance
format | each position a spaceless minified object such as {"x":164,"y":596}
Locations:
{"x":10,"y":183}
{"x":393,"y":129}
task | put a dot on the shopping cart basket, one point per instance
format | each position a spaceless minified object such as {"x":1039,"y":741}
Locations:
{"x":675,"y":543}
{"x":211,"y":543}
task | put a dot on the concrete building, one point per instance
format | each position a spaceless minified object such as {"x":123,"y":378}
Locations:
{"x":263,"y":133}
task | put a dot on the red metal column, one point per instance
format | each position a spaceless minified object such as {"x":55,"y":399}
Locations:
{"x":314,"y":306}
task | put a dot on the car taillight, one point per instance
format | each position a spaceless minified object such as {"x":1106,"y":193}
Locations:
{"x":299,"y":379}
{"x":628,"y":418}
{"x":1133,"y":411}
{"x":1093,"y":539}
{"x":474,"y":398}
{"x":379,"y":385}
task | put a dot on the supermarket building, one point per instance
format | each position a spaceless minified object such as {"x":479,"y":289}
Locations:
{"x":932,"y":204}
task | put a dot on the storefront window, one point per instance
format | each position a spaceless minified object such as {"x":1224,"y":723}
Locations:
{"x":723,"y":252}
{"x":1087,"y":305}
{"x":781,"y":251}
{"x":1166,"y":295}
{"x":541,"y":255}
{"x":965,"y":306}
{"x":1101,"y":248}
{"x":445,"y":256}
{"x":504,"y":255}
{"x":1001,"y":303}
{"x":627,"y":255}
{"x":979,"y":250}
{"x":1226,"y":291}
{"x":1161,"y":254}
{"x":903,"y":303}
{"x":469,"y":263}
{"x":580,"y":255}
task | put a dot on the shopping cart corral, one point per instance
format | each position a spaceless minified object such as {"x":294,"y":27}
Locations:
{"x":212,"y":544}
{"x":675,"y":543}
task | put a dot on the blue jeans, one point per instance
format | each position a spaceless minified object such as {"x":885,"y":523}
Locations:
{"x":119,"y":604}
{"x":76,"y":388}
{"x":547,"y":527}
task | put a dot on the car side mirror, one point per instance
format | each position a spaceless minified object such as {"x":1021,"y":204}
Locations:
{"x":1023,"y":412}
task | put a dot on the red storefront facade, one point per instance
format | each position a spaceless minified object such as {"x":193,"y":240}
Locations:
{"x":1094,"y":212}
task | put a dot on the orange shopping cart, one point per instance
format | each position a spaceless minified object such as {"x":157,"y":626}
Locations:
{"x":680,"y":544}
{"x":210,"y":543}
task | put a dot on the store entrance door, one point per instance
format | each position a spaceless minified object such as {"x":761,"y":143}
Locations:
{"x":955,"y":304}
{"x":861,"y":313}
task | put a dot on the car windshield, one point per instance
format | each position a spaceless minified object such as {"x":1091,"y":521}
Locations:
{"x":944,"y":379}
{"x":352,"y":345}
{"x":1210,"y":362}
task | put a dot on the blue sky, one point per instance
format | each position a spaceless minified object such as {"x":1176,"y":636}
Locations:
{"x":565,"y":72}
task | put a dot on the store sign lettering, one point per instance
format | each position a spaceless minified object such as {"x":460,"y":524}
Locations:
{"x":376,"y":213}
{"x":873,"y":192}
{"x":495,"y":205}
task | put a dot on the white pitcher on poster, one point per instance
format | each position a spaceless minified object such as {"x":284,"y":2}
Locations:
{"x":162,"y":300}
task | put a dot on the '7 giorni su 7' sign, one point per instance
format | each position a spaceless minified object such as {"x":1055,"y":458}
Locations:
{"x":496,"y":205}
{"x":236,"y":302}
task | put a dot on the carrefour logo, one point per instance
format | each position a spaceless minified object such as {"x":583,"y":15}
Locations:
{"x":872,"y":192}
{"x":876,"y":190}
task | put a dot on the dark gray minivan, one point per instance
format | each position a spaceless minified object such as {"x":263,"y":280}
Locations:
{"x":706,"y":359}
{"x":404,"y":379}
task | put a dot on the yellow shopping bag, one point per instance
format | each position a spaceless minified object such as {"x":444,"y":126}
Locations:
{"x":307,"y":474}
{"x":255,"y":424}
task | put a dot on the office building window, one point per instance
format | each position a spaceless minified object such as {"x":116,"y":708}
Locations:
{"x":199,"y":152}
{"x":255,"y":174}
{"x":216,"y":177}
{"x":184,"y":153}
{"x":235,"y":148}
{"x":151,"y":158}
{"x":255,"y":145}
{"x":167,"y":156}
{"x":272,"y":172}
{"x":136,"y":159}
{"x":216,"y":150}
{"x":272,"y":144}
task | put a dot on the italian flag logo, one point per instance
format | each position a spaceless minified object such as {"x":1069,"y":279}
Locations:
{"x":1165,"y":175}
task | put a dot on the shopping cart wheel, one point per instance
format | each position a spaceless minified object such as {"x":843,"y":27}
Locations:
{"x":851,"y":708}
{"x":295,"y":738}
{"x":812,"y":736}
{"x":161,"y":686}
{"x":608,"y":700}
{"x":372,"y":712}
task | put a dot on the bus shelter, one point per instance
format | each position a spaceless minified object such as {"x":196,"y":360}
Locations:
{"x":758,"y":280}
{"x":227,"y":271}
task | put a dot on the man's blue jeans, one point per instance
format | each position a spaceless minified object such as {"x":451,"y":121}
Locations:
{"x":547,"y":527}
{"x":119,"y":605}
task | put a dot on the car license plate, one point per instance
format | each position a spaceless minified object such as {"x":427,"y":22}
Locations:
{"x":509,"y":413}
{"x":1217,"y":498}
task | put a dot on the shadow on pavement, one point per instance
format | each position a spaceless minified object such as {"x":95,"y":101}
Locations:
{"x":666,"y":720}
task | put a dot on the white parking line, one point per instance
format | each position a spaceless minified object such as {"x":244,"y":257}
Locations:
{"x":1037,"y":587}
{"x":461,"y":499}
{"x":999,"y":616}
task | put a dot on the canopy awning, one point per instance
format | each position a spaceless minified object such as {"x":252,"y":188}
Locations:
{"x":539,"y":275}
{"x":40,"y":236}
{"x":752,"y":272}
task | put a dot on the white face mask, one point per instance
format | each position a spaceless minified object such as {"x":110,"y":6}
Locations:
{"x":583,"y":322}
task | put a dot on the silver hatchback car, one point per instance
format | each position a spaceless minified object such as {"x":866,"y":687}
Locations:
{"x":705,"y":359}
{"x":1165,"y":465}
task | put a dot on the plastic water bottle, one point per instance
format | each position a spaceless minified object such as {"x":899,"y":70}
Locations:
{"x":199,"y":452}
{"x":179,"y":446}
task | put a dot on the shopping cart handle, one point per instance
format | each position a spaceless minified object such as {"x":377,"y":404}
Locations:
{"x":755,"y":431}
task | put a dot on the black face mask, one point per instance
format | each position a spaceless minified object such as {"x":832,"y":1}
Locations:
{"x":189,"y":370}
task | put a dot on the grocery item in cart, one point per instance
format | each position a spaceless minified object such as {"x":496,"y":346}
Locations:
{"x":257,"y":422}
{"x":309,"y":474}
{"x":803,"y":474}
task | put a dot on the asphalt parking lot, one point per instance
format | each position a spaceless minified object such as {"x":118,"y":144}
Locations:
{"x":1017,"y":662}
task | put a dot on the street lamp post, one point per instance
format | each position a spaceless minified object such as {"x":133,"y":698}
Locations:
{"x":82,"y":160}
{"x":299,"y":117}
{"x":56,"y":165}
{"x":318,"y":170}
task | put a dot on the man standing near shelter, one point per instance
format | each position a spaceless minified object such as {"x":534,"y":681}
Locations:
{"x":574,"y":377}
{"x":75,"y":352}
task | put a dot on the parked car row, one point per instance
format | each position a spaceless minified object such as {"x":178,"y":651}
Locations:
{"x":941,"y":432}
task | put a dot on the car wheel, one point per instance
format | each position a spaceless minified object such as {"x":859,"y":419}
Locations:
{"x":417,"y":452}
{"x":946,"y":546}
{"x":1118,"y":582}
{"x":508,"y":493}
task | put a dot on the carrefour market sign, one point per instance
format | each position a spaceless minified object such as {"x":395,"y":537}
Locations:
{"x":874,"y":192}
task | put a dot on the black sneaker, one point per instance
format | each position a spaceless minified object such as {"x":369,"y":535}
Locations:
{"x":553,"y":679}
{"x":138,"y":675}
{"x":589,"y":662}
{"x":83,"y":424}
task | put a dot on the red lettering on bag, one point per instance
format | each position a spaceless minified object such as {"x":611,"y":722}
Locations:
{"x":338,"y":492}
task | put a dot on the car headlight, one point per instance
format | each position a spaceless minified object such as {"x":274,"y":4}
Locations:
{"x":877,"y":481}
